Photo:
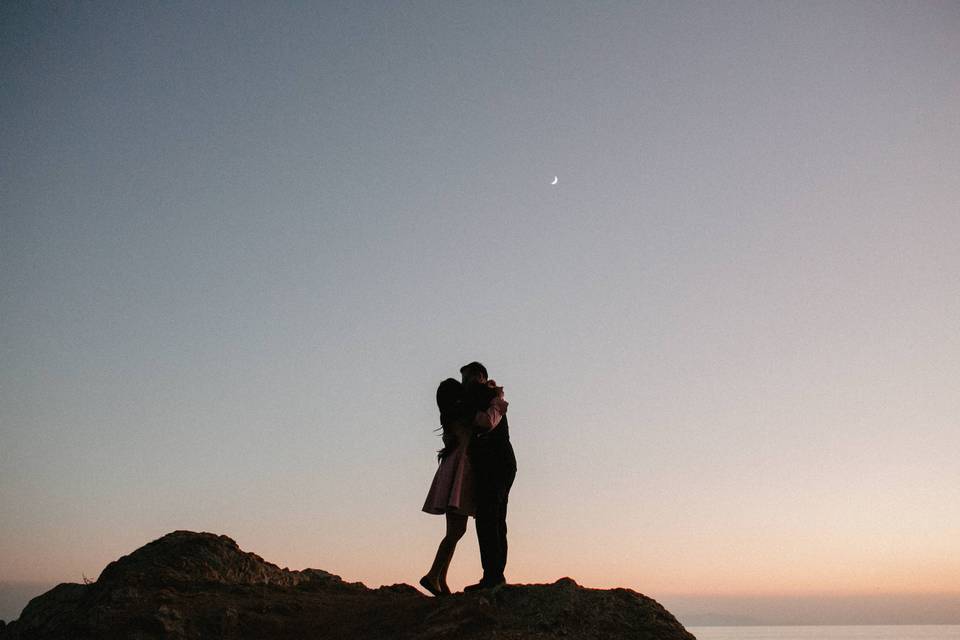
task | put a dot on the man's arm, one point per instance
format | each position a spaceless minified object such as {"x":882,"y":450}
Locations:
{"x":486,"y":421}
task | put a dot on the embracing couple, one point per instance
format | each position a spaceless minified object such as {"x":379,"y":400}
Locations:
{"x":476,"y":471}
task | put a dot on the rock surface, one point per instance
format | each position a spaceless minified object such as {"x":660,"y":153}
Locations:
{"x":201,"y":585}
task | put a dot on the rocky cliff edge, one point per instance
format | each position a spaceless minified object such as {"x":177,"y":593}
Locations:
{"x":201,"y":585}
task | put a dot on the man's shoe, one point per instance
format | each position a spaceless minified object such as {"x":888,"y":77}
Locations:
{"x":484,"y":584}
{"x":495,"y":585}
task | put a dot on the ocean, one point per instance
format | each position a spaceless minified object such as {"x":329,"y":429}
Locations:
{"x":851,"y":632}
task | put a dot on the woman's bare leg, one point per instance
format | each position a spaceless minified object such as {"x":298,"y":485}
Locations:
{"x":436,"y":579}
{"x":456,"y":527}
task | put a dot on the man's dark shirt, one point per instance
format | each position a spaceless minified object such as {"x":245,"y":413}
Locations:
{"x":491,"y":449}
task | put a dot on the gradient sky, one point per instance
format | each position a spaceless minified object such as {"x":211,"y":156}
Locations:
{"x":242,"y":243}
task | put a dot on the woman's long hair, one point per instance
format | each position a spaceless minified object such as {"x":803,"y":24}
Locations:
{"x":452,"y":407}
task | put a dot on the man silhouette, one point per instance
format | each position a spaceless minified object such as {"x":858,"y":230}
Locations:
{"x":494,"y":468}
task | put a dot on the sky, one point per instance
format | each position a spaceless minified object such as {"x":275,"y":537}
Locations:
{"x":241,"y":244}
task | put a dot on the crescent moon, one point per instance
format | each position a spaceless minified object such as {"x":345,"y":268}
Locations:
{"x":554,"y":180}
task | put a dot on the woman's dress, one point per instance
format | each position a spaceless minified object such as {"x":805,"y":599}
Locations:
{"x":452,"y":488}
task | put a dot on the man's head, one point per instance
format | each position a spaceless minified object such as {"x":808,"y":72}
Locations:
{"x":473,"y":372}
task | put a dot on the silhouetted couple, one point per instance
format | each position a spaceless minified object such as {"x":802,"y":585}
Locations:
{"x":476,"y":471}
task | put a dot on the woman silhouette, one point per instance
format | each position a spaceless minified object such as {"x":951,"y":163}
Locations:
{"x":451,"y":493}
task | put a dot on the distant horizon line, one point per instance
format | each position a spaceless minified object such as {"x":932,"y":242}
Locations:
{"x":891,"y":624}
{"x":672,"y":594}
{"x":812,"y":594}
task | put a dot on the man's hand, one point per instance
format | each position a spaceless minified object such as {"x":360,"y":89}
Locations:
{"x":488,"y":420}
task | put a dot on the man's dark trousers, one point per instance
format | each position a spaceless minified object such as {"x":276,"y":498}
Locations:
{"x":494,"y":467}
{"x":492,"y":494}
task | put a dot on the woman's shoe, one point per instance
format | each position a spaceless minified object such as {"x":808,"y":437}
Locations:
{"x":444,"y":589}
{"x":432,"y":587}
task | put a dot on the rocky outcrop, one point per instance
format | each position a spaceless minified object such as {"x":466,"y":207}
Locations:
{"x":201,"y":585}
